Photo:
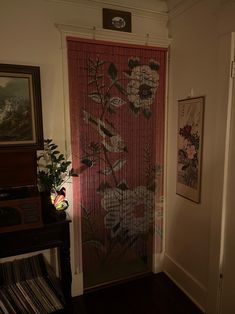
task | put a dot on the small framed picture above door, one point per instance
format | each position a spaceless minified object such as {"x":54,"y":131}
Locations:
{"x":117,"y":20}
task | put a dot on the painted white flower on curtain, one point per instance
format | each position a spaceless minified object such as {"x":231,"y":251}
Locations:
{"x":142,"y":86}
{"x":128,"y":211}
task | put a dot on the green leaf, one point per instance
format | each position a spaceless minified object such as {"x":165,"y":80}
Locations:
{"x":60,"y":157}
{"x":112,"y":71}
{"x":56,"y":168}
{"x":39,"y":157}
{"x":73,"y":174}
{"x":48,"y":141}
{"x":53,"y":146}
{"x":55,"y":152}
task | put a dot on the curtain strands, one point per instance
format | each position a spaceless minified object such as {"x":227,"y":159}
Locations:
{"x":117,"y":130}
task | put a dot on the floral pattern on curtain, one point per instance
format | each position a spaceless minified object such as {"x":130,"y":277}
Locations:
{"x":117,"y":95}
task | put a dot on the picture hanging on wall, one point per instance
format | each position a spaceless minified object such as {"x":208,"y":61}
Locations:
{"x":117,"y":20}
{"x":189,"y":149}
{"x":20,"y":107}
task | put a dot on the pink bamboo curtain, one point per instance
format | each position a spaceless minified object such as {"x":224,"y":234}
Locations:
{"x":117,"y":131}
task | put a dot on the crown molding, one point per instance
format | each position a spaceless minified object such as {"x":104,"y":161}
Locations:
{"x":181,"y":7}
{"x":87,"y":32}
{"x":162,"y":11}
{"x":226,"y":1}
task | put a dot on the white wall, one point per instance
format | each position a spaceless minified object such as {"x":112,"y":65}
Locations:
{"x":28,"y":36}
{"x":199,"y":54}
{"x":200,"y":61}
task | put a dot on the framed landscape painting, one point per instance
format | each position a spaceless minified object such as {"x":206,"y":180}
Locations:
{"x":20,"y":107}
{"x":189,"y":149}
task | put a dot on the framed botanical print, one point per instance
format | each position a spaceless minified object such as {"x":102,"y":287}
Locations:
{"x":189,"y":148}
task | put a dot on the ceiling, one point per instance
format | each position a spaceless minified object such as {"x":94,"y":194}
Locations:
{"x":160,"y":6}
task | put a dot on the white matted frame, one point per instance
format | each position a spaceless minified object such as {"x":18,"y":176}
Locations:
{"x":189,"y":148}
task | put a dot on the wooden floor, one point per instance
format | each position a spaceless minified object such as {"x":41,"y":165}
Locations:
{"x":155,"y":294}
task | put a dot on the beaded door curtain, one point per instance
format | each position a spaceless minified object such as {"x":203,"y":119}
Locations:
{"x":117,"y":95}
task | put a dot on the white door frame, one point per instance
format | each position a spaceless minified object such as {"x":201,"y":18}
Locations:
{"x":217,"y":237}
{"x":231,"y":98}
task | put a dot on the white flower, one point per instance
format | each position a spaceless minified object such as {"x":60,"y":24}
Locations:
{"x":142,"y":86}
{"x":130,"y":210}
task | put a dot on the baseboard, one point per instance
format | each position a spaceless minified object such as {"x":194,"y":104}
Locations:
{"x":77,"y":284}
{"x":195,"y":290}
{"x":118,"y":282}
{"x":158,"y":259}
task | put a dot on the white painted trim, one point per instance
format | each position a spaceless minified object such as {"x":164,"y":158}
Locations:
{"x":226,"y":169}
{"x":181,"y":7}
{"x":192,"y":287}
{"x":225,"y":2}
{"x":77,"y":285}
{"x":159,"y":257}
{"x":185,"y":292}
{"x":165,"y":149}
{"x":158,"y":262}
{"x":76,"y":250}
{"x":109,"y":35}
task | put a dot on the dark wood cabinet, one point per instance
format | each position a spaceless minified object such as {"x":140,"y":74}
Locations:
{"x":50,"y":235}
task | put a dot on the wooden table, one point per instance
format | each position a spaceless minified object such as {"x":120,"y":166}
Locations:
{"x":51,"y":235}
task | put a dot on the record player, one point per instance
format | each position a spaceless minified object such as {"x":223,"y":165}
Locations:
{"x":20,"y":202}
